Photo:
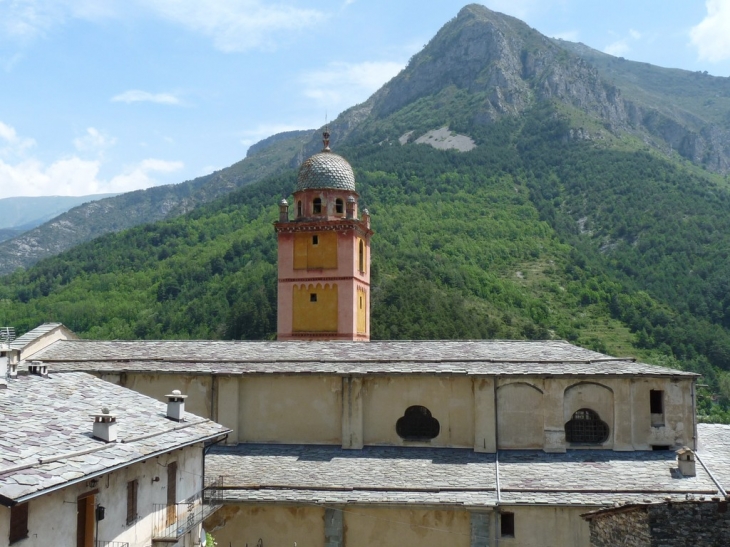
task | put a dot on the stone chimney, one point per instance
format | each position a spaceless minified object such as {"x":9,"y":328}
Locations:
{"x":686,"y":462}
{"x":38,"y":368}
{"x":105,"y":426}
{"x":176,"y":405}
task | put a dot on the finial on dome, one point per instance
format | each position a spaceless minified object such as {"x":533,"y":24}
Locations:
{"x":326,"y":140}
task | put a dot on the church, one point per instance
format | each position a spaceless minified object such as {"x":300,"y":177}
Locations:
{"x":335,"y":440}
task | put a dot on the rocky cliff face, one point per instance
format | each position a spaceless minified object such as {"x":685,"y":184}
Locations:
{"x":512,"y":67}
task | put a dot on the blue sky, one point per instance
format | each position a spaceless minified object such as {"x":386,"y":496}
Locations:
{"x":116,"y":95}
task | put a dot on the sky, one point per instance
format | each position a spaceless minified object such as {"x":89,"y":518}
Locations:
{"x":101,"y":96}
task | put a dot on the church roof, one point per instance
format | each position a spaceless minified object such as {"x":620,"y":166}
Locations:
{"x":255,"y":473}
{"x":326,"y":170}
{"x":448,"y":357}
{"x":45,"y":428}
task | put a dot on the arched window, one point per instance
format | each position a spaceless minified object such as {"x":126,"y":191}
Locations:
{"x":361,"y":261}
{"x":299,"y":208}
{"x":586,"y":427}
{"x":317,"y":206}
{"x":417,"y":424}
{"x":339,"y":206}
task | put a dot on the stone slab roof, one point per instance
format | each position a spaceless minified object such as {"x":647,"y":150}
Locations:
{"x":22,"y":341}
{"x":46,"y":424}
{"x":467,"y":357}
{"x":714,"y":451}
{"x":456,"y":477}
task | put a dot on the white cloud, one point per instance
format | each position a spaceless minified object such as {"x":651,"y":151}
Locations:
{"x":516,"y":8}
{"x":264,"y":130}
{"x":342,"y":85}
{"x":232,"y":25}
{"x":93,"y":141}
{"x":711,"y":36}
{"x":619,"y":48}
{"x":236,"y":25}
{"x":11,"y":144}
{"x":635,"y":34}
{"x":73,"y":176}
{"x":136,"y":95}
{"x":569,"y":35}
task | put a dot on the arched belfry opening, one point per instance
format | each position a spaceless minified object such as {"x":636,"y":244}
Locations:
{"x":327,"y":243}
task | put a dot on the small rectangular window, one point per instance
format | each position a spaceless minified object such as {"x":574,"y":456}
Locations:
{"x":18,"y":522}
{"x":132,"y":487}
{"x":507,"y":525}
{"x":313,"y":297}
{"x":315,"y":240}
{"x":656,"y":398}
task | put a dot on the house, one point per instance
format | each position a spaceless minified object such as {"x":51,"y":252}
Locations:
{"x":336,"y":440}
{"x":84,"y":462}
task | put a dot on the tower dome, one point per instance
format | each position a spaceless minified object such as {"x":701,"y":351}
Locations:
{"x":326,"y":170}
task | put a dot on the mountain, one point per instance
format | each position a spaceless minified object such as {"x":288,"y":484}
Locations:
{"x":24,"y":213}
{"x":516,"y":191}
{"x":90,"y":220}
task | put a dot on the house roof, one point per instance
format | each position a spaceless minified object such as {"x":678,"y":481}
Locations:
{"x":21,"y":342}
{"x":453,"y":357}
{"x":46,"y":440}
{"x":256,"y":473}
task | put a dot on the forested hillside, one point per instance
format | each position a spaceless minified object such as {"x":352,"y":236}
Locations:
{"x":565,"y":220}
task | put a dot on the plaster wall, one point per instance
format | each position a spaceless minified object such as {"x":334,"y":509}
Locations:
{"x":42,"y":342}
{"x":546,"y":526}
{"x":594,"y":396}
{"x":365,"y":527}
{"x":274,"y":525}
{"x":198,"y":388}
{"x":678,"y":427}
{"x":520,"y":406}
{"x":291,"y":409}
{"x":52,"y":517}
{"x":450,"y":400}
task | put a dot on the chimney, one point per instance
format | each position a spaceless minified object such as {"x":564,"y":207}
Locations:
{"x":38,"y":368}
{"x":3,"y":365}
{"x":176,"y":405}
{"x":686,"y":462}
{"x":105,"y":426}
{"x":12,"y":370}
{"x":283,"y":211}
{"x":350,"y":207}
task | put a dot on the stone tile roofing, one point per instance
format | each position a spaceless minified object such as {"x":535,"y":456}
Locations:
{"x":45,"y":431}
{"x":326,"y":170}
{"x":444,"y":476}
{"x":714,"y":451}
{"x":466,"y":357}
{"x":22,"y":341}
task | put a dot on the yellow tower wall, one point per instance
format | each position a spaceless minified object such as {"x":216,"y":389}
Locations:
{"x":315,"y":316}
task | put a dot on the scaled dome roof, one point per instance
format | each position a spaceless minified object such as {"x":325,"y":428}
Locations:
{"x":326,"y":170}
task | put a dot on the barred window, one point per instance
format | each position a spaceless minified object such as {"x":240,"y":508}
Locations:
{"x":586,"y":427}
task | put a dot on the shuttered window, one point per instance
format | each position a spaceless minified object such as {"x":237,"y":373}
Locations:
{"x":132,"y":501}
{"x":18,"y":522}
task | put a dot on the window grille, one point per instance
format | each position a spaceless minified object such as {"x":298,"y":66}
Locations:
{"x":132,"y":501}
{"x":586,"y":427}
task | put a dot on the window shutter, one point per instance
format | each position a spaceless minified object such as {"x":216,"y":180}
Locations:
{"x":18,"y":522}
{"x":131,"y":501}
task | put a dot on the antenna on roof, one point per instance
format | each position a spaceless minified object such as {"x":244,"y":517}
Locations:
{"x":7,"y":335}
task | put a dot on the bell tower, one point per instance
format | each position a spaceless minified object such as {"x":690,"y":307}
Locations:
{"x":324,"y":255}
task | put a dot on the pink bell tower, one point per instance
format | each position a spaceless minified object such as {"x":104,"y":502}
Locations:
{"x":324,"y":255}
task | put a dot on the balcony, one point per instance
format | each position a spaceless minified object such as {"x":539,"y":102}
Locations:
{"x":111,"y":544}
{"x":171,"y":522}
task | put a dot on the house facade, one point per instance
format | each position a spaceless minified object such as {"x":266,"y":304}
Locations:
{"x":84,"y":462}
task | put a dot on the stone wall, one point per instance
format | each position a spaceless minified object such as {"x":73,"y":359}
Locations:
{"x":696,"y":523}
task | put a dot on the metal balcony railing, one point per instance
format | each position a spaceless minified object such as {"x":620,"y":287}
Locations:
{"x":111,"y":544}
{"x":174,"y":521}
